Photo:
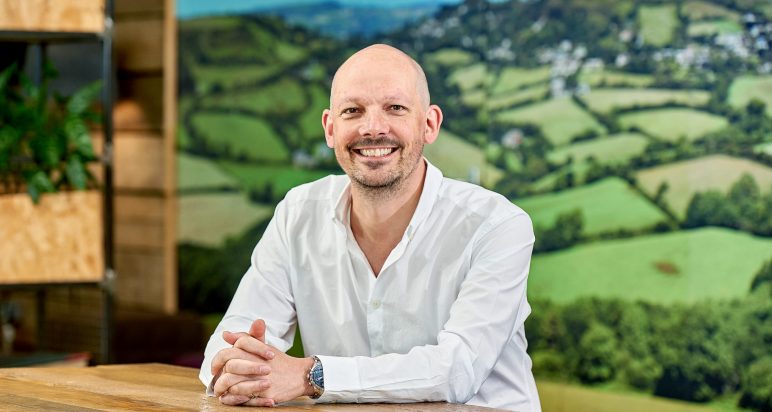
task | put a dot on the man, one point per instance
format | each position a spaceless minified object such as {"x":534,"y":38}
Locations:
{"x":407,"y":286}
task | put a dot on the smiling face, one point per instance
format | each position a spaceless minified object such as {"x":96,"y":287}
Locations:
{"x":380,"y":118}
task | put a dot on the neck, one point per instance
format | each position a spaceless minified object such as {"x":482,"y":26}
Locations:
{"x":383,"y":217}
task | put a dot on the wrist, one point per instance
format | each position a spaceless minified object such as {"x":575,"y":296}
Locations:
{"x":308,"y":363}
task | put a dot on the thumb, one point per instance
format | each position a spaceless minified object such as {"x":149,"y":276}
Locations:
{"x":257,"y":330}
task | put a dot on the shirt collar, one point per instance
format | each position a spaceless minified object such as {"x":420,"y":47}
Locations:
{"x":429,"y":193}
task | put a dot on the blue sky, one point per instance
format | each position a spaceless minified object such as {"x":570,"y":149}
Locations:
{"x":193,"y":8}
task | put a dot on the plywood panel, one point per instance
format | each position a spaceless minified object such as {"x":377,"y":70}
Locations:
{"x":139,"y":105}
{"x":52,"y":15}
{"x":139,"y":45}
{"x":58,"y":240}
{"x":139,"y":160}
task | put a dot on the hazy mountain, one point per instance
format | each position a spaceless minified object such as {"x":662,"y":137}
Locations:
{"x":367,"y":19}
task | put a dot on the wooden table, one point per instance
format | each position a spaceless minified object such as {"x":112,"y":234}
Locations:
{"x":147,"y":387}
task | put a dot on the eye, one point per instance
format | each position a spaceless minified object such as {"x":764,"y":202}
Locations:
{"x":349,"y":110}
{"x":397,"y":107}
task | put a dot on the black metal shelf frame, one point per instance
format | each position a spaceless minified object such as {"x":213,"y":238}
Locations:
{"x":38,"y":41}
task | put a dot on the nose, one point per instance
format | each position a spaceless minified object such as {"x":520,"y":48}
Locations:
{"x":374,"y":123}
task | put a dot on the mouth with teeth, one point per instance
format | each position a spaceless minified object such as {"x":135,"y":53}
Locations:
{"x":375,"y":152}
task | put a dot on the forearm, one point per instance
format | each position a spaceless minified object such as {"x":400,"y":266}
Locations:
{"x":443,"y":372}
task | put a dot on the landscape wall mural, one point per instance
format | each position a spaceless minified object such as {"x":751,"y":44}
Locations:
{"x":637,"y":135}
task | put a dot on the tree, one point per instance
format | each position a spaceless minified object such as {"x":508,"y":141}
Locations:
{"x":745,"y":197}
{"x":710,"y":209}
{"x":757,"y":386}
{"x":597,"y":352}
{"x":764,"y":276}
{"x":566,"y":231}
{"x":659,"y":197}
{"x":698,"y":360}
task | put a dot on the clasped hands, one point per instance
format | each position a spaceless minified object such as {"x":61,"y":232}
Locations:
{"x":253,"y":373}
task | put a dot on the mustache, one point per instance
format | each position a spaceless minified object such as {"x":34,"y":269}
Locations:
{"x":369,"y":142}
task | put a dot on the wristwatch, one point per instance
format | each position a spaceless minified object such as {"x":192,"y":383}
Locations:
{"x":316,"y":378}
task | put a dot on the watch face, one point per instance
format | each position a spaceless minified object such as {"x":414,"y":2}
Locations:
{"x":317,"y":374}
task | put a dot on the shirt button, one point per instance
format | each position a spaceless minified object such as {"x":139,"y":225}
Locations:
{"x":375,"y":304}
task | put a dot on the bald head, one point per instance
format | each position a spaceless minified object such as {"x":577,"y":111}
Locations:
{"x":385,"y":57}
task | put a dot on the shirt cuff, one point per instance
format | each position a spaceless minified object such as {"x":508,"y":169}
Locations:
{"x":341,"y":379}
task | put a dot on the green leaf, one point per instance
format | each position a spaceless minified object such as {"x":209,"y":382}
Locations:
{"x":76,"y":173}
{"x":45,"y":149}
{"x":82,"y":99}
{"x":5,"y":76}
{"x":37,"y":184}
{"x":78,"y":136}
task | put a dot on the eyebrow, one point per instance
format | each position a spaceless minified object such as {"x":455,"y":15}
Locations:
{"x":389,"y":98}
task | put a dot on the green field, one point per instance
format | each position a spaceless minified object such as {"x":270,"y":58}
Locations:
{"x":450,"y":57}
{"x":280,"y":178}
{"x":745,"y":88}
{"x":562,"y":397}
{"x":606,"y":205}
{"x":513,"y":78}
{"x":763,"y":148}
{"x":673,"y":123}
{"x":607,"y":100}
{"x":283,"y":96}
{"x":658,"y":24}
{"x":614,"y":78}
{"x":505,"y":100}
{"x":240,"y":136}
{"x":195,"y":172}
{"x":474,"y":97}
{"x":560,"y":119}
{"x":684,"y":266}
{"x":470,"y":77}
{"x":211,"y":23}
{"x":210,"y":218}
{"x":311,"y":120}
{"x":611,"y":149}
{"x":458,"y":158}
{"x":702,"y":10}
{"x":709,"y":28}
{"x":685,"y":178}
{"x":229,"y":76}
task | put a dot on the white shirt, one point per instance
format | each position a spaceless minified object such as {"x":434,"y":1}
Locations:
{"x":443,"y":321}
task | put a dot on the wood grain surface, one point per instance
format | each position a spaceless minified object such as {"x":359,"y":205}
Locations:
{"x":57,"y":240}
{"x":145,"y":387}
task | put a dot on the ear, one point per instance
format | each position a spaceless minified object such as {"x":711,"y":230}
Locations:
{"x":327,"y":125}
{"x":433,"y":122}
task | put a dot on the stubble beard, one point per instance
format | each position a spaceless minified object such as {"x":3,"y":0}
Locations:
{"x":387,"y":186}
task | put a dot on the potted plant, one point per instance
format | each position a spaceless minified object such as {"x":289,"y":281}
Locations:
{"x":45,"y":148}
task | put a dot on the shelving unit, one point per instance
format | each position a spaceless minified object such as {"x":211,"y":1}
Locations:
{"x":37,"y":41}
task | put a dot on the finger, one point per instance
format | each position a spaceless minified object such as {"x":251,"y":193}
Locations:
{"x":225,"y":355}
{"x":230,"y":399}
{"x":246,"y":367}
{"x":249,"y":387}
{"x":257,"y":401}
{"x":257,"y":330}
{"x":233,"y":400}
{"x":232,"y":337}
{"x":254,"y":346}
{"x":226,"y":381}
